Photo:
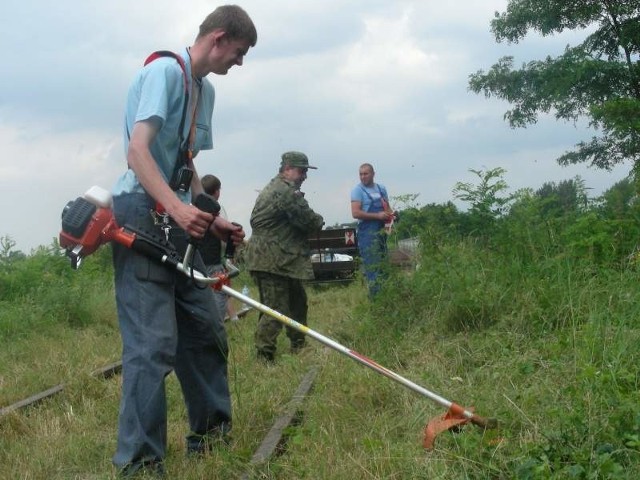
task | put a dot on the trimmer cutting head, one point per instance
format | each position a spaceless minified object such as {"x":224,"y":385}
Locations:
{"x":453,"y":420}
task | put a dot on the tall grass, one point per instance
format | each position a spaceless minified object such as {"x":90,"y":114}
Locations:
{"x":548,"y":347}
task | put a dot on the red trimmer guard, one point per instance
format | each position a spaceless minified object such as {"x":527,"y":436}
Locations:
{"x":453,"y":418}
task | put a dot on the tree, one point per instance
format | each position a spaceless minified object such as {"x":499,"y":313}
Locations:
{"x":487,"y":202}
{"x":7,"y":253}
{"x":620,"y":201}
{"x":598,"y":79}
{"x":484,"y":197}
{"x":564,"y":198}
{"x":433,"y":220}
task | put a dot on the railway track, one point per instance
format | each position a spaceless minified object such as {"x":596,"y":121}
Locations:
{"x":274,"y":442}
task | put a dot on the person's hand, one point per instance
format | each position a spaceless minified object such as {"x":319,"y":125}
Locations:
{"x":386,"y":216}
{"x":237,"y":234}
{"x":194,"y":221}
{"x":224,"y":229}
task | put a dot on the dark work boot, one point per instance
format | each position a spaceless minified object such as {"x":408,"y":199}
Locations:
{"x":267,"y":357}
{"x":297,"y":346}
{"x":143,"y":469}
{"x":201,"y":444}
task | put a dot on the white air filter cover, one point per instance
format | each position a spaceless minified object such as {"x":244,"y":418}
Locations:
{"x":98,"y":196}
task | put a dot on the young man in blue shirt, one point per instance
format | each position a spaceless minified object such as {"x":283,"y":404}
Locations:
{"x":168,"y":323}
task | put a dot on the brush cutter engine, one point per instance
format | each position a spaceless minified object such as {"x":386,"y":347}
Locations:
{"x":88,"y":223}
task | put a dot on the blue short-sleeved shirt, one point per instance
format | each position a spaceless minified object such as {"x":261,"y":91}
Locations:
{"x":369,"y":197}
{"x":157,"y":94}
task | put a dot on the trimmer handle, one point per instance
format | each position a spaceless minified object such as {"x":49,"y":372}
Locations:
{"x":230,"y":249}
{"x":208,"y":204}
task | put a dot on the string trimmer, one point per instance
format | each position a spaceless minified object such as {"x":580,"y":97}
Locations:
{"x":455,"y":416}
{"x":88,"y":222}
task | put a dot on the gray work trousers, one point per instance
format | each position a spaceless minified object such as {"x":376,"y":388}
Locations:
{"x":166,"y":323}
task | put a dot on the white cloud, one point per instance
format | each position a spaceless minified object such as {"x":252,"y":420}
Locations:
{"x":42,"y":170}
{"x":383,"y":81}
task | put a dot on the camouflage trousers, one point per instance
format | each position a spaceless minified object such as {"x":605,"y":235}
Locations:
{"x":287,"y":296}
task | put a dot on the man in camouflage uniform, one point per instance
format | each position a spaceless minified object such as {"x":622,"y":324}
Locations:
{"x":278,"y":255}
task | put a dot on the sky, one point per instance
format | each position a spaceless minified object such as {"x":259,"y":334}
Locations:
{"x":345,"y":81}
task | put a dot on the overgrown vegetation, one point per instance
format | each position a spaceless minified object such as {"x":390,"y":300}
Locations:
{"x":524,"y":306}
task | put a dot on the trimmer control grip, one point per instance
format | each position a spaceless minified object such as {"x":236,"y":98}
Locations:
{"x":208,"y":204}
{"x":230,"y":249}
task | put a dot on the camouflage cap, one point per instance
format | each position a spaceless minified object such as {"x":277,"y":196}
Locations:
{"x":296,"y":159}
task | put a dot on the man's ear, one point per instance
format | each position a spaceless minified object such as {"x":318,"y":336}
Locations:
{"x":218,"y":37}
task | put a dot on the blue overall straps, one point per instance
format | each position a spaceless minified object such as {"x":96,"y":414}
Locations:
{"x":372,"y":243}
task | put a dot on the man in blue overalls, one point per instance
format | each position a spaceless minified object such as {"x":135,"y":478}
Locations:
{"x":370,"y":206}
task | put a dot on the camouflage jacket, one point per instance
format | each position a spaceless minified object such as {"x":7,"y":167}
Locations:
{"x":281,"y":222}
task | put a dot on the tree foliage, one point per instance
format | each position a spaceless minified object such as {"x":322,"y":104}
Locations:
{"x":437,"y":222}
{"x":563,"y":198}
{"x":488,"y":200}
{"x":7,"y":253}
{"x":598,"y":79}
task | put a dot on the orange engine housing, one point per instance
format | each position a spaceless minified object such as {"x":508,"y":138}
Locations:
{"x":87,"y":226}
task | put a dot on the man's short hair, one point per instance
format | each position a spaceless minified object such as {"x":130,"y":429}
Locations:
{"x":210,"y":184}
{"x":233,"y":20}
{"x":369,"y":166}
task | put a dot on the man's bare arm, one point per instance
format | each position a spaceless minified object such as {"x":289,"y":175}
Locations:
{"x":188,"y":217}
